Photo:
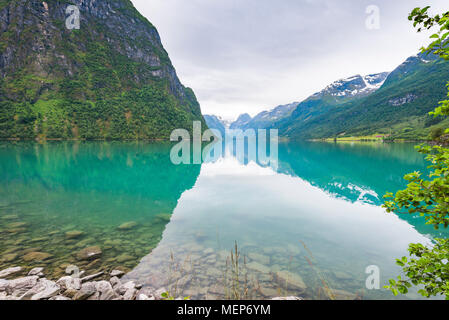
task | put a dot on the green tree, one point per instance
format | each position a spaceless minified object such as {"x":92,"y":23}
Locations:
{"x":427,"y":267}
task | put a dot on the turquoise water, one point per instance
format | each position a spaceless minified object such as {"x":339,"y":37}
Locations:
{"x":310,"y":227}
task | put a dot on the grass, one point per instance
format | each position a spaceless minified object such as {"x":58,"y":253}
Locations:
{"x":373,"y":137}
{"x":325,"y":287}
{"x":237,"y":282}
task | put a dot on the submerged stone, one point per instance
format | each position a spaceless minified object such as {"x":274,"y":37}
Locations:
{"x":90,"y":253}
{"x":124,"y":257}
{"x":259,"y":258}
{"x":335,"y":294}
{"x":93,"y":264}
{"x":9,"y":257}
{"x":75,"y":234}
{"x":341,"y":275}
{"x":255,"y":266}
{"x":36,"y":256}
{"x":10,"y":217}
{"x":163,"y":217}
{"x":16,"y":230}
{"x":41,"y":239}
{"x":16,"y":225}
{"x":289,"y":280}
{"x":128,"y":225}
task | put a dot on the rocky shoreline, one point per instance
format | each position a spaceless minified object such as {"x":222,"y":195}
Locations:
{"x":34,"y":286}
{"x":73,"y":286}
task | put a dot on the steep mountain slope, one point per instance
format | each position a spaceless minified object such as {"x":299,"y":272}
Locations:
{"x":111,"y":79}
{"x":337,"y":93}
{"x":214,"y":122}
{"x":265,"y":119}
{"x":241,"y":121}
{"x":330,"y":98}
{"x":399,"y":108}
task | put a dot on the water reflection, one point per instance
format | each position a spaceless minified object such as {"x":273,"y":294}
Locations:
{"x":88,"y":190}
{"x":317,"y":218}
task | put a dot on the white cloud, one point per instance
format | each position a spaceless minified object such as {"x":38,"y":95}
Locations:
{"x":251,"y":55}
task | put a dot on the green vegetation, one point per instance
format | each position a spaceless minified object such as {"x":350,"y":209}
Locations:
{"x":370,"y":138}
{"x":427,"y":267}
{"x":399,"y":109}
{"x":90,"y":83}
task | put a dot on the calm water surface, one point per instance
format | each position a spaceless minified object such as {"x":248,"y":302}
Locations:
{"x":309,"y":228}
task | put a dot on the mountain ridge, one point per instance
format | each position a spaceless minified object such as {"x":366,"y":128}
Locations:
{"x":394,"y":105}
{"x":335,"y":93}
{"x":111,"y":79}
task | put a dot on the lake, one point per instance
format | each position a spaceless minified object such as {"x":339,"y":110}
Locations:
{"x":309,"y":227}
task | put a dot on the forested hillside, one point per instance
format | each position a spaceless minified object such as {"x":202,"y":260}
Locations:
{"x":110,"y":79}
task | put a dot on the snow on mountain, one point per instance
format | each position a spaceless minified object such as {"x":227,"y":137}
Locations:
{"x":354,"y":86}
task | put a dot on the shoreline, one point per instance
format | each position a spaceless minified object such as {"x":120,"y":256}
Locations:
{"x":15,"y":284}
{"x":35,"y":286}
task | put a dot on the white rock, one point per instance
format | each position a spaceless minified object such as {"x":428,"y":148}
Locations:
{"x":59,"y":298}
{"x":143,"y":297}
{"x":115,"y":282}
{"x":10,"y":271}
{"x":146,"y":292}
{"x":105,"y":290}
{"x":91,"y":277}
{"x":69,"y":283}
{"x":287,"y":298}
{"x":36,"y":272}
{"x":103,"y":286}
{"x":45,"y":289}
{"x":3,"y":285}
{"x":87,"y":289}
{"x":20,"y":286}
{"x":130,"y":294}
{"x":125,"y":287}
{"x":117,"y":273}
{"x":109,"y":295}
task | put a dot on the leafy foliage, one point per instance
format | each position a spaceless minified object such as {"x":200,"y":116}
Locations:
{"x":427,"y":266}
{"x":429,"y":198}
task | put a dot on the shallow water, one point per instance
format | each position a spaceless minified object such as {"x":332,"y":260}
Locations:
{"x":311,"y":227}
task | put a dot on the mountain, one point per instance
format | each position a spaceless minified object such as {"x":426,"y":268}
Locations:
{"x":399,"y":108}
{"x":337,"y":93}
{"x":353,"y":87}
{"x":214,"y":122}
{"x":266,"y":119}
{"x":331,"y":97}
{"x":111,"y":79}
{"x":241,"y":121}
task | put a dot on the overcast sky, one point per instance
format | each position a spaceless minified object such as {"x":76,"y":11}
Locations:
{"x":253,"y":55}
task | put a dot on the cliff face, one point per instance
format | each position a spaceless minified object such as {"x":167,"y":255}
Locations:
{"x":111,"y":78}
